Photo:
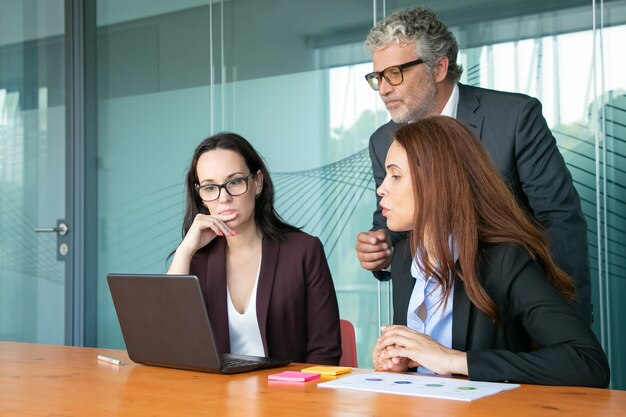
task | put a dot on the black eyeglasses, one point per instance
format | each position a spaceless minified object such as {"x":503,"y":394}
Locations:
{"x":234,"y":187}
{"x":393,"y":75}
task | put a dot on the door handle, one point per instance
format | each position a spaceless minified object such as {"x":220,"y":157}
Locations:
{"x":61,"y":229}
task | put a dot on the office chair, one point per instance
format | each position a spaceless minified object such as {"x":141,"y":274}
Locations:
{"x":348,"y":345}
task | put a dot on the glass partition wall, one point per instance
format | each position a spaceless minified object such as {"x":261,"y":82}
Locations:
{"x":289,"y":77}
{"x":238,"y":57}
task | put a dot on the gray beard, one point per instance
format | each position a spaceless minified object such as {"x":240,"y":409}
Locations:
{"x":428,"y":109}
{"x":416,"y":115}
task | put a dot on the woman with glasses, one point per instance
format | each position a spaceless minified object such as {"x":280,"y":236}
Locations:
{"x":480,"y":295}
{"x":267,"y":285}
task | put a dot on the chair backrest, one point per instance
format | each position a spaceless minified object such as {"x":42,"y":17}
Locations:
{"x":348,"y":344}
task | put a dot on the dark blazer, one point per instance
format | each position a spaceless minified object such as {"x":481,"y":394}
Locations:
{"x":539,"y":338}
{"x":296,"y":303}
{"x":516,"y":136}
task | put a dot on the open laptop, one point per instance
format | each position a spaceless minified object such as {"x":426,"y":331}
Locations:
{"x":165,"y":323}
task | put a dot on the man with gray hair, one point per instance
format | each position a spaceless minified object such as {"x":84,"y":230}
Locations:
{"x":416,"y":74}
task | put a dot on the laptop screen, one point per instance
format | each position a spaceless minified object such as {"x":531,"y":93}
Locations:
{"x":164,"y":321}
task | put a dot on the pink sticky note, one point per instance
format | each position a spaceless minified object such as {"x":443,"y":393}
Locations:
{"x":293,"y":376}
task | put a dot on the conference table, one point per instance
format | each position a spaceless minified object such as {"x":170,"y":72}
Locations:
{"x":45,"y":380}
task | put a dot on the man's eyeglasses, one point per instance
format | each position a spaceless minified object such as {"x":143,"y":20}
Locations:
{"x":393,"y":75}
{"x":234,"y":187}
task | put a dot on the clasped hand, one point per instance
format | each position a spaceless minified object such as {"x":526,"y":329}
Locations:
{"x":400,"y":348}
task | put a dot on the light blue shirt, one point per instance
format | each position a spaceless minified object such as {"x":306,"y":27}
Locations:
{"x":427,"y":313}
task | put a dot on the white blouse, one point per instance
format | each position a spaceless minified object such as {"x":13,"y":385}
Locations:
{"x":245,"y":336}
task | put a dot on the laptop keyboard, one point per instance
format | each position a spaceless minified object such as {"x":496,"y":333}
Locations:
{"x":227,"y":362}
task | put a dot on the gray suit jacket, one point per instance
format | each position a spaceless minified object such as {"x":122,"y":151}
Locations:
{"x":538,"y":339}
{"x":516,"y":135}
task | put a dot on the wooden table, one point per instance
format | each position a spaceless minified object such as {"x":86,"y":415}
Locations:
{"x":42,"y":380}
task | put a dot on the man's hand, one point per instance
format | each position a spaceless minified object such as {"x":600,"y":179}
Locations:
{"x":374,"y":249}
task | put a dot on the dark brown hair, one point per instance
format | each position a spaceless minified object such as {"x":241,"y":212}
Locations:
{"x":459,"y":193}
{"x":267,"y":220}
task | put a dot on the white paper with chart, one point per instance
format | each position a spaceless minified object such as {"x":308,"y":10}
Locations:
{"x":419,"y":385}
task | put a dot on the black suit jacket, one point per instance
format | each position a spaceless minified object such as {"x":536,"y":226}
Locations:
{"x":516,"y":136}
{"x":296,"y":302}
{"x":539,"y":339}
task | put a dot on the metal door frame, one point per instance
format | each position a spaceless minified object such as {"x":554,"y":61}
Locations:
{"x":81,"y":172}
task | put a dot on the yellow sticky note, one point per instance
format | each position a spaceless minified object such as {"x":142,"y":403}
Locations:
{"x":328,"y":370}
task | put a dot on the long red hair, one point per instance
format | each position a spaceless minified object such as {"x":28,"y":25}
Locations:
{"x":459,"y":194}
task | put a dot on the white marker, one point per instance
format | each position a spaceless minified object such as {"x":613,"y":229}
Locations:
{"x":110,"y":360}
